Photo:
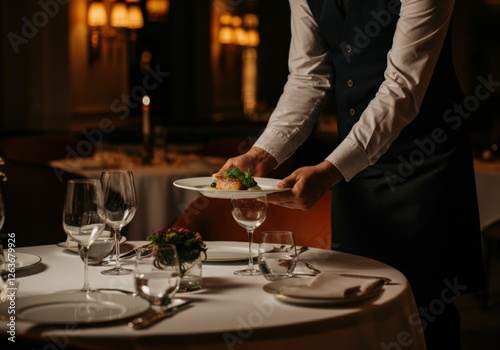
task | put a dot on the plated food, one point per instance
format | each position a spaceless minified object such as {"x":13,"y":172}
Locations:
{"x":203,"y":186}
{"x":235,"y":180}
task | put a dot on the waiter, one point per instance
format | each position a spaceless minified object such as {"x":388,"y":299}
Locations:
{"x":402,"y":175}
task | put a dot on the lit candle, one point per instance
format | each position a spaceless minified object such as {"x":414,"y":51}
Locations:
{"x":145,"y":115}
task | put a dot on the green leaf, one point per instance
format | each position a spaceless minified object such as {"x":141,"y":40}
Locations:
{"x":245,"y":177}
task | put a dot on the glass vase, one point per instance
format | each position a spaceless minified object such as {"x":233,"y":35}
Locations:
{"x":191,"y":275}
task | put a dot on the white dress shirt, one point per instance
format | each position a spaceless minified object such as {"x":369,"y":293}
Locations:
{"x":419,"y":36}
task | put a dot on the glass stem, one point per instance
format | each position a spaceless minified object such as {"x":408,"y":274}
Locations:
{"x":250,"y":255}
{"x":116,"y":232}
{"x":86,"y":285}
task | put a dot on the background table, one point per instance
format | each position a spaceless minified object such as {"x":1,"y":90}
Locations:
{"x":488,"y":191}
{"x":159,"y":202}
{"x":233,"y":312}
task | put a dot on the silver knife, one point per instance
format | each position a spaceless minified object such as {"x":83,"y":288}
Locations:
{"x":132,"y":252}
{"x":144,"y":321}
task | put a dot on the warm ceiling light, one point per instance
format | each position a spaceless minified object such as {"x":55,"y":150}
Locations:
{"x":135,"y":19}
{"x":119,"y":15}
{"x":97,"y":14}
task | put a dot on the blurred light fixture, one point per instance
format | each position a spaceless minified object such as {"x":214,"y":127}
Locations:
{"x":97,"y":16}
{"x":119,"y":14}
{"x":135,"y":19}
{"x":157,"y":9}
{"x":243,"y":32}
{"x":239,"y":31}
{"x":226,"y":31}
{"x":124,"y":14}
{"x":251,"y":24}
{"x":240,"y":36}
{"x":253,"y":38}
{"x":250,"y":20}
{"x":226,"y":35}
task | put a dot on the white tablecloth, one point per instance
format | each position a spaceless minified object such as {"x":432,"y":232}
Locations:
{"x":488,"y":191}
{"x":233,"y":312}
{"x":159,"y":202}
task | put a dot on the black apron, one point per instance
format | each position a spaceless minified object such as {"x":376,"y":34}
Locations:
{"x":416,"y":207}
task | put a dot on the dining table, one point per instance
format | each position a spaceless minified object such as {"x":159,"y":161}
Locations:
{"x":229,"y":312}
{"x":159,"y":202}
{"x":487,"y":175}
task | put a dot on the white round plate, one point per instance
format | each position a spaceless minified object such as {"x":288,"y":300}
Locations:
{"x":220,"y":251}
{"x":77,"y":307}
{"x":273,"y":288}
{"x":202,"y":185}
{"x":73,"y":246}
{"x":23,"y":260}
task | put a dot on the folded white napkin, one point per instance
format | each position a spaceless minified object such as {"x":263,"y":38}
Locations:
{"x":332,"y":285}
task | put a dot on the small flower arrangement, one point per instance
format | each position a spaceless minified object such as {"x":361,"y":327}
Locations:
{"x":189,"y":244}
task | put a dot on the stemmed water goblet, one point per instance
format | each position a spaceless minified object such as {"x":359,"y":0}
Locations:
{"x":249,"y":211}
{"x":83,"y":217}
{"x":120,"y":204}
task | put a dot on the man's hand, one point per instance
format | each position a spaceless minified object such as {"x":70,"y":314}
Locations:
{"x":308,"y":184}
{"x":256,"y":160}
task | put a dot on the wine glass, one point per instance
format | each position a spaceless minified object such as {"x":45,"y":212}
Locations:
{"x":249,"y":211}
{"x":119,"y":205}
{"x":157,"y":277}
{"x":101,"y":251}
{"x":83,"y":216}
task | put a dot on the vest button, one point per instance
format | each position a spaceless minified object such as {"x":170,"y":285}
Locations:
{"x":348,"y":48}
{"x":350,"y":83}
{"x":352,"y":112}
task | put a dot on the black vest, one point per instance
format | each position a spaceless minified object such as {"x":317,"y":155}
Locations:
{"x":427,"y":224}
{"x":359,"y":43}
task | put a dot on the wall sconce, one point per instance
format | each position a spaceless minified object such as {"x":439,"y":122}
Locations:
{"x":123,"y":15}
{"x":135,"y":19}
{"x":97,"y":18}
{"x":119,"y":15}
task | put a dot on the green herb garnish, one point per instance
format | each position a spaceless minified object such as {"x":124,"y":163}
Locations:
{"x":244,"y":177}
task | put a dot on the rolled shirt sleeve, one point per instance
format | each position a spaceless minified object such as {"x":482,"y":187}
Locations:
{"x":419,"y":36}
{"x":307,"y":88}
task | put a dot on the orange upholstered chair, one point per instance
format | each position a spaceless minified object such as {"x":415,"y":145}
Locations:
{"x":212,"y":218}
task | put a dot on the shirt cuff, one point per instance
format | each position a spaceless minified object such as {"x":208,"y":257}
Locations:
{"x":276,"y":144}
{"x":348,"y":158}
